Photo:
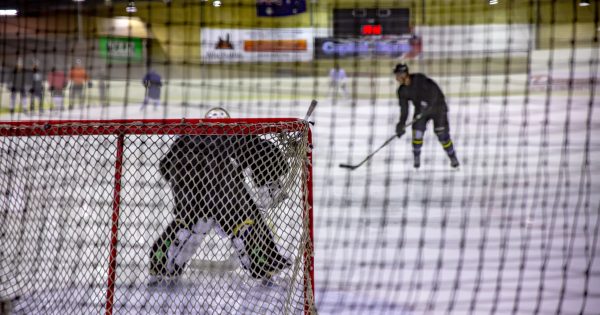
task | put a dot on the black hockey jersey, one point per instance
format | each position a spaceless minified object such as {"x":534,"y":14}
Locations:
{"x":425,"y":94}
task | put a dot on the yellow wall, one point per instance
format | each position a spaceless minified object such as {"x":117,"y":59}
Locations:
{"x":176,"y":29}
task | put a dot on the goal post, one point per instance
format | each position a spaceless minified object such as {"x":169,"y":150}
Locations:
{"x":83,"y":205}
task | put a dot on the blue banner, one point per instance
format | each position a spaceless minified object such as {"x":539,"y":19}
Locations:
{"x":327,"y":47}
{"x":278,"y":8}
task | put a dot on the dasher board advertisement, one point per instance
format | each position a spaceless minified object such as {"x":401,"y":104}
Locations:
{"x":222,"y":45}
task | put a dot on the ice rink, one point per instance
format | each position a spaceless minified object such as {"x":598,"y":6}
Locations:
{"x":513,"y":231}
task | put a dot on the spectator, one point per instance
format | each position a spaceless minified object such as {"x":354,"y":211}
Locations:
{"x":37,"y":89}
{"x":57,"y":82}
{"x":103,"y":86}
{"x":19,"y":82}
{"x":78,"y":77}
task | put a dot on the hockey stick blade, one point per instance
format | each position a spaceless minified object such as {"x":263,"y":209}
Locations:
{"x":353,"y":167}
{"x":390,"y":139}
{"x":348,"y":166}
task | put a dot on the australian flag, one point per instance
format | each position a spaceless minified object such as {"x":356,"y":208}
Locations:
{"x":274,"y":8}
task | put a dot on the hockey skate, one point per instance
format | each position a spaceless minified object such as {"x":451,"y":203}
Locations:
{"x":417,"y":161}
{"x":454,"y":161}
{"x":160,"y":274}
{"x":265,"y":266}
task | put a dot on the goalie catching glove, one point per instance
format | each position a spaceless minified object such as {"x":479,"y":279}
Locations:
{"x":270,"y":195}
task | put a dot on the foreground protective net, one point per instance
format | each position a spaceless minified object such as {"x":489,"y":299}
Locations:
{"x":513,"y":230}
{"x":170,"y":217}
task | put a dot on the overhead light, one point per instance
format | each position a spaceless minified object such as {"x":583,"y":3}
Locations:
{"x":584,"y":3}
{"x":9,"y":12}
{"x":217,"y":3}
{"x":78,"y":0}
{"x":131,"y":7}
{"x":493,"y":2}
{"x":121,"y":22}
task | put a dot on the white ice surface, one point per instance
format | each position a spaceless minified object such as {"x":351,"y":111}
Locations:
{"x":514,"y":230}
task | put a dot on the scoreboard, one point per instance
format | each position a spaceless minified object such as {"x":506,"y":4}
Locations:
{"x":369,"y":22}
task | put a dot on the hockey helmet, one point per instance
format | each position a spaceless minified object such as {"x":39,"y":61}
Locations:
{"x":401,"y":68}
{"x":216,"y":113}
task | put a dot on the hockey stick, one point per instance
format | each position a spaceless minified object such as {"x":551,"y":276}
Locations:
{"x":311,"y":109}
{"x":353,"y":167}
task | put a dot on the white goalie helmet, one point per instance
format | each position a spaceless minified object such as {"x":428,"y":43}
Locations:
{"x":217,"y":113}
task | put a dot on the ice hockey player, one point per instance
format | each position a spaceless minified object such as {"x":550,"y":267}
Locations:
{"x":206,"y":175}
{"x":153,"y":83}
{"x":430,"y":104}
{"x":337,"y":80}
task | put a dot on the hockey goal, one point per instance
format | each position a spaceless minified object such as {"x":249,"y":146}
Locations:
{"x":83,"y":202}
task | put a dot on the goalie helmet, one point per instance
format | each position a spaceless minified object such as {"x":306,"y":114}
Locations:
{"x":216,"y":113}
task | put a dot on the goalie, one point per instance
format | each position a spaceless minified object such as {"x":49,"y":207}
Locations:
{"x":207,"y":177}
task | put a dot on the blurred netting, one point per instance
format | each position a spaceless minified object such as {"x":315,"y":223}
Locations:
{"x":513,"y":231}
{"x":88,"y":208}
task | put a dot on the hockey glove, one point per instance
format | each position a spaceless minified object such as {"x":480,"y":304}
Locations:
{"x":270,"y":195}
{"x":400,"y":130}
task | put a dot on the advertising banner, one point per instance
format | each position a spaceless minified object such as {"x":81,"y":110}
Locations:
{"x":402,"y":46}
{"x":278,"y":8}
{"x":122,"y":49}
{"x":256,"y":45}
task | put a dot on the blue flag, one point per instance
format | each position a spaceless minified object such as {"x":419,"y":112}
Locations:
{"x":276,"y":8}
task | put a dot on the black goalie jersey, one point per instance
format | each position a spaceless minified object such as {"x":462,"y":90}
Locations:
{"x":206,"y":174}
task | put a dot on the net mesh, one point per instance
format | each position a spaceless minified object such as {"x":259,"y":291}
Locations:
{"x":513,"y":231}
{"x":109,"y":220}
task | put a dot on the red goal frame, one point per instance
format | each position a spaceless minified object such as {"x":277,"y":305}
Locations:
{"x":123,"y":127}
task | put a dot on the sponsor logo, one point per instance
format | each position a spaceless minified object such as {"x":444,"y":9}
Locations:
{"x":275,"y":45}
{"x":224,"y":43}
{"x":233,"y":55}
{"x":330,"y":48}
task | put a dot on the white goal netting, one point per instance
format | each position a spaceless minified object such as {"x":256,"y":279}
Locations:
{"x":106,"y":217}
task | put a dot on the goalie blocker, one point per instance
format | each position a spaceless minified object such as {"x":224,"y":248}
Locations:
{"x":207,"y":175}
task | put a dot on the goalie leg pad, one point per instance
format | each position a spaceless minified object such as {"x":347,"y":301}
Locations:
{"x":173,"y":249}
{"x":257,"y":250}
{"x":186,"y":243}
